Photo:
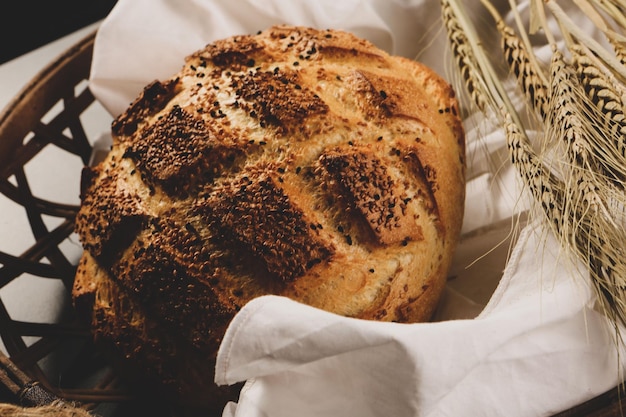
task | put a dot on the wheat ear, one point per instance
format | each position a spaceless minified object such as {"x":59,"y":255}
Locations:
{"x":521,"y":63}
{"x":529,"y":76}
{"x":606,"y":99}
{"x":466,"y":62}
{"x":491,"y":99}
{"x":578,"y":112}
{"x":576,"y":202}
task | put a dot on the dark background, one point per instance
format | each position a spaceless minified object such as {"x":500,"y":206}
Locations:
{"x":28,"y":24}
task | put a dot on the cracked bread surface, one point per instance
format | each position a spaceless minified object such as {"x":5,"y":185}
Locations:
{"x":298,"y":162}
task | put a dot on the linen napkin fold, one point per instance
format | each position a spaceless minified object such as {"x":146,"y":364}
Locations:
{"x":144,"y":40}
{"x":536,"y":348}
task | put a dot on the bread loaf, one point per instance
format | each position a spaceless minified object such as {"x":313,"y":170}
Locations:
{"x":298,"y":162}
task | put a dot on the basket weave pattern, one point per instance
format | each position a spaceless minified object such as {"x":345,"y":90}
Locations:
{"x":46,"y":117}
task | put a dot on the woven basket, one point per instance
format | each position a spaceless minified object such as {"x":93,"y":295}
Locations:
{"x":46,"y":122}
{"x":44,"y":143}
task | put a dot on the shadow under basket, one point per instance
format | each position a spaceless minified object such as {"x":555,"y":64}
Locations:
{"x":47,"y":135}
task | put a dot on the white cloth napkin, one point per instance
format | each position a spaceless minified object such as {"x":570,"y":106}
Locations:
{"x":537,"y":348}
{"x":144,"y":40}
{"x":532,"y":347}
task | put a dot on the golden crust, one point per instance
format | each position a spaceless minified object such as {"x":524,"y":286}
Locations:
{"x":296,"y":162}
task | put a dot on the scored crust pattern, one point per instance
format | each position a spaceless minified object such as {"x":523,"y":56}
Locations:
{"x":295,"y":162}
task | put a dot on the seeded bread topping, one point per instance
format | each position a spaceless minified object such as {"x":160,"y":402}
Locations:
{"x":297,"y":162}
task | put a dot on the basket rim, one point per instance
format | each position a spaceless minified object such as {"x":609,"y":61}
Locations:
{"x":22,"y":116}
{"x":43,"y":75}
{"x":28,"y":104}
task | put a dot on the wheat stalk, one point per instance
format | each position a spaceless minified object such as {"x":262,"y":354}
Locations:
{"x":590,"y":229}
{"x":570,"y":29}
{"x":594,"y":120}
{"x":490,"y":98}
{"x":593,"y":9}
{"x":581,"y":105}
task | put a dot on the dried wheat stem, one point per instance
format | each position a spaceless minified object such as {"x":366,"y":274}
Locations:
{"x":539,"y":21}
{"x":576,"y":201}
{"x":492,"y":100}
{"x":614,"y":10}
{"x":591,"y":12}
{"x":491,"y":97}
{"x":614,"y":17}
{"x":570,"y":28}
{"x":589,"y":227}
{"x":480,"y":77}
{"x":53,"y":410}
